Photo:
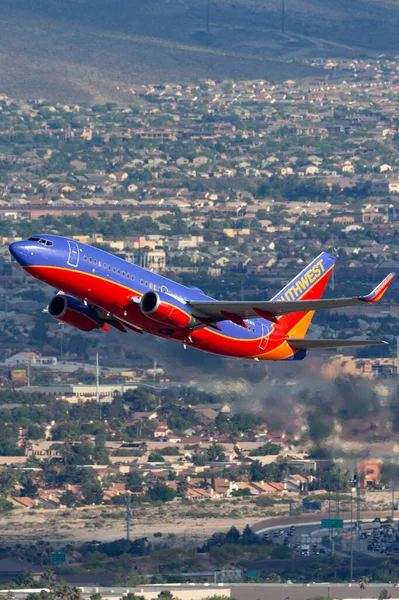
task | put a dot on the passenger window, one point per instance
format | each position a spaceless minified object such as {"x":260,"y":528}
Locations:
{"x":95,"y":261}
{"x":114,"y":270}
{"x":104,"y":265}
{"x":142,"y":281}
{"x":156,"y":288}
{"x":109,"y":267}
{"x":127,"y":275}
{"x":119,"y":271}
{"x":99,"y":263}
{"x":90,"y":259}
{"x":146,"y":284}
{"x":123,"y":273}
{"x":85,"y":257}
{"x":150,"y":285}
{"x":132,"y":277}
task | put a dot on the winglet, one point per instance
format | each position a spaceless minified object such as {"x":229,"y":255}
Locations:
{"x":379,"y":291}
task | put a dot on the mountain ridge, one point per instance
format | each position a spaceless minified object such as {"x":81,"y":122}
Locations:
{"x":95,"y":50}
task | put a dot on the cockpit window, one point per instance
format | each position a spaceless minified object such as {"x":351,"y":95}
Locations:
{"x":41,"y":241}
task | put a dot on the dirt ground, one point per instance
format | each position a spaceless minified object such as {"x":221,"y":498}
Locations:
{"x":191,"y":522}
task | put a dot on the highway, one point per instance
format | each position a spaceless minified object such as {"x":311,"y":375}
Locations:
{"x":314,"y":519}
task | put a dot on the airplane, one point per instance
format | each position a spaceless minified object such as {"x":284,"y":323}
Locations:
{"x":99,"y":290}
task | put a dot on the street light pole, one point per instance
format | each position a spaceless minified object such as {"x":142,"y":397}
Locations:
{"x":128,"y":518}
{"x":393,"y":500}
{"x":351,"y":556}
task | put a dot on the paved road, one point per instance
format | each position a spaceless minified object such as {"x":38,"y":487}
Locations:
{"x":315,"y":518}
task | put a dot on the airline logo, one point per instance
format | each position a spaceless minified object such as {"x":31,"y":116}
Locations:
{"x":303,"y":283}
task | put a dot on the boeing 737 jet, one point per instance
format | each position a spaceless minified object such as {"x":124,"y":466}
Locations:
{"x":99,"y":290}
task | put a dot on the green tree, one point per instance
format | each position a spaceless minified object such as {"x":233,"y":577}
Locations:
{"x":139,"y":400}
{"x":8,"y":481}
{"x":249,"y":537}
{"x":92,"y":492}
{"x":134,"y":483}
{"x":266,"y":449}
{"x":63,"y":591}
{"x":50,"y":580}
{"x":42,"y":595}
{"x":25,"y":579}
{"x":160,"y":491}
{"x":29,"y":488}
{"x":165,"y":595}
{"x":215,"y":453}
{"x":68,"y":498}
{"x":155,"y":456}
{"x":5,"y":506}
{"x":232,"y":536}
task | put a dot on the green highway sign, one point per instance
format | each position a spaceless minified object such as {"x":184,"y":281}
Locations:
{"x":332,"y":524}
{"x":58,"y":557}
{"x":252,"y":574}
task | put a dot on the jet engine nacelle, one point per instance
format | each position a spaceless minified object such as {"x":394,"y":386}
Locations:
{"x":166,"y":309}
{"x":74,"y":312}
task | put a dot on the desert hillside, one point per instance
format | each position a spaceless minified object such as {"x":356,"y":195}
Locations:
{"x":96,"y":49}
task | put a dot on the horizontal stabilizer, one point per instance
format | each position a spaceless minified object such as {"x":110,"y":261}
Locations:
{"x":304,"y":344}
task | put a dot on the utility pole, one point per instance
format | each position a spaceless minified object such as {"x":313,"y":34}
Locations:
{"x":6,"y":298}
{"x":62,"y":344}
{"x":97,"y":381}
{"x":351,"y":556}
{"x":393,"y":500}
{"x":98,"y":388}
{"x":128,"y":517}
{"x":357,"y":500}
{"x":329,"y":511}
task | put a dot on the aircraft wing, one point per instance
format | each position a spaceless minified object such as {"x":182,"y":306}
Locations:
{"x":236,"y":311}
{"x":305,"y":344}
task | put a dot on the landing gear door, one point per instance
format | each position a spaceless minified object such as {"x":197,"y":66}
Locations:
{"x":264,"y":339}
{"x":73,"y":256}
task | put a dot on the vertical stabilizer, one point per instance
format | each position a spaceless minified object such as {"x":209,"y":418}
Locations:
{"x":308,"y":285}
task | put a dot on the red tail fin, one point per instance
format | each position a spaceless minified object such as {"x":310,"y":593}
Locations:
{"x":308,"y":285}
